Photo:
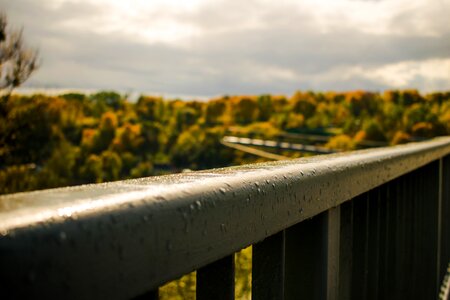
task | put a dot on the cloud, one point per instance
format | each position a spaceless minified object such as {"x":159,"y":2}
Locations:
{"x":210,"y":48}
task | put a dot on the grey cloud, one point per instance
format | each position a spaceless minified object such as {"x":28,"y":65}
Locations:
{"x":220,"y":61}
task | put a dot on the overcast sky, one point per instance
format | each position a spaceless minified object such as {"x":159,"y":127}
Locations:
{"x":212,"y":47}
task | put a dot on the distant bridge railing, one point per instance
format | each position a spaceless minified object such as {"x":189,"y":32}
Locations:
{"x":370,"y":224}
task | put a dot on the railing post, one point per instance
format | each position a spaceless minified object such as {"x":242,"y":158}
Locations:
{"x":373,"y":244}
{"x":268,"y":268}
{"x":360,"y":247}
{"x":346,"y":251}
{"x":312,"y":258}
{"x":445,"y":216}
{"x":439,"y":223}
{"x":432,"y":200}
{"x":383,"y":242}
{"x":216,"y":280}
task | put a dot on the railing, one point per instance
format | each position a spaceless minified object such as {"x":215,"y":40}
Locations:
{"x":371,"y":224}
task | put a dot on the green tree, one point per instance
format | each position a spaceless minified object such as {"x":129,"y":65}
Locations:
{"x":244,"y":110}
{"x":265,"y":107}
{"x":91,"y":171}
{"x":111,"y":165}
{"x":304,"y":103}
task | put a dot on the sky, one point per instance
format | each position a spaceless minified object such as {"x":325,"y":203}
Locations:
{"x":210,"y":48}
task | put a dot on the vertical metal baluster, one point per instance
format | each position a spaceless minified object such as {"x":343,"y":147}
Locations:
{"x":408,"y":225}
{"x":415,"y":227}
{"x":399,"y":261}
{"x":392,"y":207}
{"x":404,"y":236}
{"x":268,"y":268}
{"x":312,"y":257}
{"x":373,"y":244}
{"x":216,"y":280}
{"x":346,"y":251}
{"x":333,"y":245}
{"x":383,"y":245}
{"x":360,"y":251}
{"x":440,"y":170}
{"x":430,"y":199}
{"x":445,"y":216}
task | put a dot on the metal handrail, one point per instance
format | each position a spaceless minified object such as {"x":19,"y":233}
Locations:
{"x":123,"y":238}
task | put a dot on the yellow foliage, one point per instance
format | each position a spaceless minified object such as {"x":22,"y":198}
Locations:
{"x":360,"y":136}
{"x":88,"y":136}
{"x":108,"y":121}
{"x":400,"y":137}
{"x":341,"y":142}
{"x":422,"y":129}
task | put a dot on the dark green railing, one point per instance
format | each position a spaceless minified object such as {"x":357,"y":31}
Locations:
{"x":371,"y":224}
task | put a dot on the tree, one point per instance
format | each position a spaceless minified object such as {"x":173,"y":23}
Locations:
{"x":17,"y":61}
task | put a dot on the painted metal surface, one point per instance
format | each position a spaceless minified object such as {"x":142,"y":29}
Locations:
{"x":121,"y":239}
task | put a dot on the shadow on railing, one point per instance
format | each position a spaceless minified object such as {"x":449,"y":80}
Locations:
{"x":371,"y":224}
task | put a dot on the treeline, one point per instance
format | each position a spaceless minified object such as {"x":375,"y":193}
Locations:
{"x":51,"y":141}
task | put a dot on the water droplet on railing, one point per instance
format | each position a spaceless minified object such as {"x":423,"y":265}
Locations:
{"x":222,"y":191}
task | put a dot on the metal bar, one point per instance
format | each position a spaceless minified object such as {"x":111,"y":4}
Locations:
{"x":408,"y":232}
{"x":383,"y":241}
{"x":312,"y":258}
{"x":216,"y":280}
{"x":421,"y":245}
{"x":145,"y":232}
{"x":439,"y":221}
{"x":445,"y":216}
{"x":346,"y":250}
{"x":416,"y":188}
{"x":430,"y":200}
{"x":333,"y":255}
{"x":400,"y":261}
{"x":373,"y":244}
{"x":360,"y":247}
{"x":392,"y":207}
{"x":268,"y":268}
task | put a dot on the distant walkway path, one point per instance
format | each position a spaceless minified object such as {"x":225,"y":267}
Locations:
{"x":276,"y":144}
{"x":254,"y":151}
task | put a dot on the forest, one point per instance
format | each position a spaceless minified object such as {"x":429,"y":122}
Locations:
{"x":71,"y":139}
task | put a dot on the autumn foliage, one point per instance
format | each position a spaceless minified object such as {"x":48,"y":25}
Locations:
{"x":51,"y":141}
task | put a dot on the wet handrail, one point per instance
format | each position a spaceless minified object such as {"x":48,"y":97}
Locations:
{"x":120,"y":239}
